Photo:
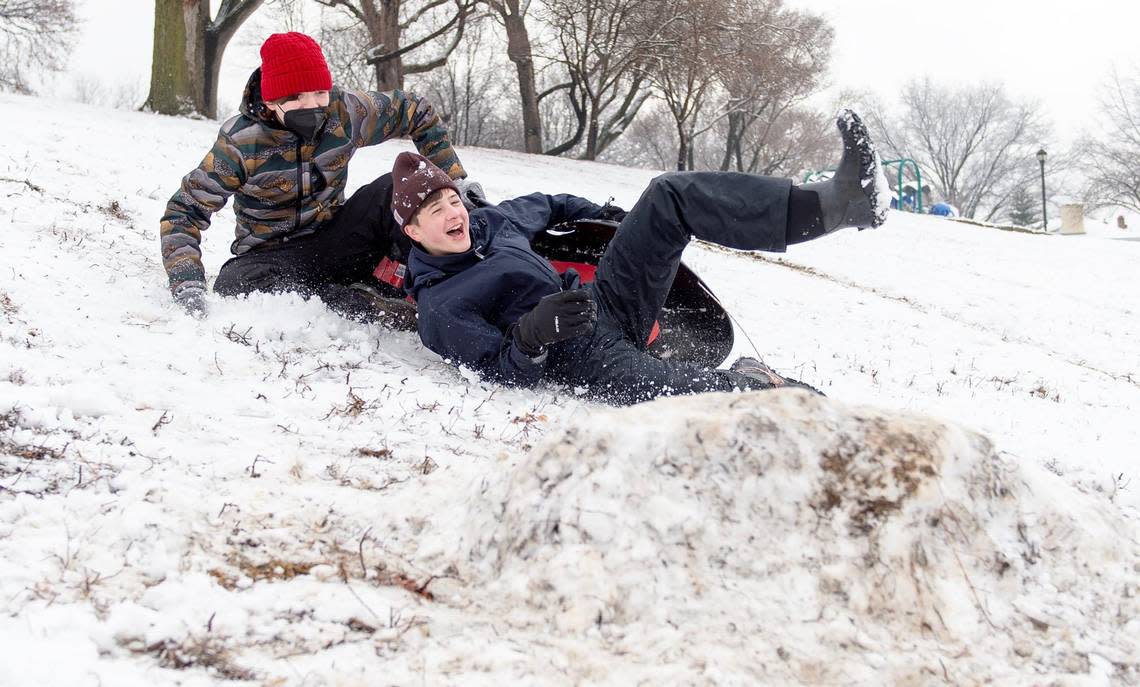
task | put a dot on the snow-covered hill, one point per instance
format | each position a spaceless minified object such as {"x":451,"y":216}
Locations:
{"x":280,"y":495}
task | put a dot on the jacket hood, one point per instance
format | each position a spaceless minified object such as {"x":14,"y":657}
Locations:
{"x":252,"y":104}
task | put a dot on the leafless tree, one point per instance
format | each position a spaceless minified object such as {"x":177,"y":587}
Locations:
{"x":560,"y":121}
{"x":471,"y":94}
{"x":187,"y":55}
{"x":345,"y":43}
{"x":512,"y":15}
{"x":34,"y":34}
{"x":603,"y":47}
{"x":85,"y":88}
{"x":1112,"y":158}
{"x":397,"y":28}
{"x":289,"y":15}
{"x":975,"y":142}
{"x":797,"y":140}
{"x":649,"y":142}
{"x":779,"y":57}
{"x":686,"y":70}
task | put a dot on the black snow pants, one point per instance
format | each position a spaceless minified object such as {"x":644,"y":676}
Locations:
{"x":636,"y":272}
{"x":344,"y":251}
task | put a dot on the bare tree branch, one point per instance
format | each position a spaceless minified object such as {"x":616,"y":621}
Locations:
{"x":579,"y":109}
{"x":419,"y":15}
{"x":555,"y":88}
{"x":348,"y":7}
{"x":459,"y":18}
{"x":1112,"y":158}
{"x":391,"y":38}
{"x":231,"y":14}
{"x":34,"y":35}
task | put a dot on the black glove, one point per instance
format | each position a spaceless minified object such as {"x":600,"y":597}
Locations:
{"x":192,"y":297}
{"x":611,"y":212}
{"x":557,"y":317}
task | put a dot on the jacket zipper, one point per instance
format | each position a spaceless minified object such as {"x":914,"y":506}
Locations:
{"x":478,"y":250}
{"x":300,"y":189}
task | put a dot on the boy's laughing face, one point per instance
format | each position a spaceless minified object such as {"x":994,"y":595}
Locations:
{"x":441,"y":224}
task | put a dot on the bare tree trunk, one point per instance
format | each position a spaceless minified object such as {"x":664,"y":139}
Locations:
{"x":591,"y":152}
{"x":683,"y":153}
{"x":177,"y":67}
{"x":188,"y":51}
{"x":231,"y":15}
{"x":733,"y":141}
{"x":521,"y":54}
{"x":383,"y":25}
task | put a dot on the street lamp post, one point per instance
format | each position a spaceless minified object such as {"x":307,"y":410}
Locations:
{"x":1041,"y":155}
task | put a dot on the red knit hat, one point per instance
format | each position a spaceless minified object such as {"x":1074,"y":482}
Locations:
{"x":414,"y":178}
{"x":292,"y":63}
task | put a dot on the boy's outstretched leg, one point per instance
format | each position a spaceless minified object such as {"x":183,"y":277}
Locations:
{"x":732,"y":209}
{"x":735,"y":210}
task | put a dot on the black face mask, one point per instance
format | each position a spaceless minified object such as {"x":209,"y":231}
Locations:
{"x":306,"y":122}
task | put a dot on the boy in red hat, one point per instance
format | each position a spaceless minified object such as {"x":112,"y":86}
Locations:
{"x":488,"y":301}
{"x":285,"y":158}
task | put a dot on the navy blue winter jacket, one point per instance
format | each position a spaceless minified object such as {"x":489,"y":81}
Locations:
{"x":469,"y":302}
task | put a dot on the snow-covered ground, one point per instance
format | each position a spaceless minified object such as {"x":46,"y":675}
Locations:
{"x":276,"y":494}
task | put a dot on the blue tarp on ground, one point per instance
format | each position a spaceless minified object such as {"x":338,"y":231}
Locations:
{"x":943,"y":210}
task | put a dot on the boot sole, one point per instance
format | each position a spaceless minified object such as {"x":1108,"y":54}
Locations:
{"x":853,"y":132}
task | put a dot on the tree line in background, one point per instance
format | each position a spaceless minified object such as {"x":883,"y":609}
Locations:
{"x":574,"y":77}
{"x":680,"y":84}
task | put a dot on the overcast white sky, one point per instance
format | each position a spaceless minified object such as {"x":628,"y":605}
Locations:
{"x":1057,"y":52}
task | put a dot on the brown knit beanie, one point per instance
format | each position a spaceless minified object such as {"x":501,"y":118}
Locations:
{"x":414,"y":178}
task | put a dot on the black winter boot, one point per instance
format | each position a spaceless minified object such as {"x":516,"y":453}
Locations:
{"x":755,"y":368}
{"x":858,"y":195}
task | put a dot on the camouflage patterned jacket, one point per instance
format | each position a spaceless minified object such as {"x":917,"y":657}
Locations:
{"x":284,"y":187}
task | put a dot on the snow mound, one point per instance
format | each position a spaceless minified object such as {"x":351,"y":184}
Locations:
{"x":789,"y":536}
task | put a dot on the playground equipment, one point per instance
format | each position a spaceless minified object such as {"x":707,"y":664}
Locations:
{"x":902,"y":163}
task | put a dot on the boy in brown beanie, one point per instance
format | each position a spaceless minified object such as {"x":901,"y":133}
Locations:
{"x":489,"y":302}
{"x":285,"y":159}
